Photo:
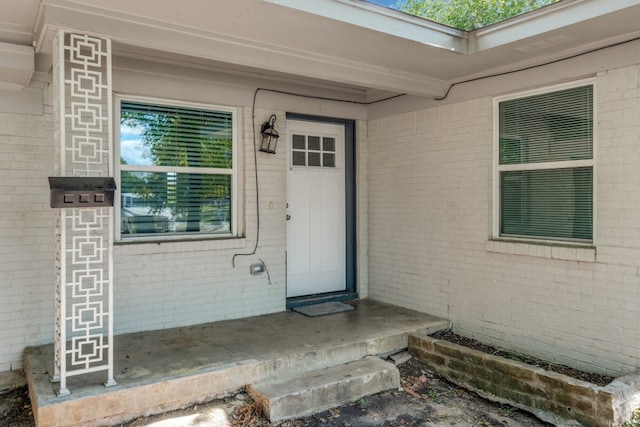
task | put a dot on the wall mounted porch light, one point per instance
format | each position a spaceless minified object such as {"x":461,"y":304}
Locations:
{"x":269,"y":136}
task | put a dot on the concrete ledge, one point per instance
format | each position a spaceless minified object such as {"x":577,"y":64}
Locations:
{"x":96,"y":405}
{"x":553,"y":397}
{"x":99,"y":406}
{"x":166,"y":369}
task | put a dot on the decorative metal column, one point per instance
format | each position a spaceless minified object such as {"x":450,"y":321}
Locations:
{"x":84,"y":234}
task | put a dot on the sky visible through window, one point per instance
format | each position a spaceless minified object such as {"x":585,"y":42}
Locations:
{"x":465,"y":14}
{"x":132,"y":150}
{"x":387,"y":3}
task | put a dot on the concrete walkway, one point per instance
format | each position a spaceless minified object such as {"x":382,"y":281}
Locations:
{"x":168,"y":369}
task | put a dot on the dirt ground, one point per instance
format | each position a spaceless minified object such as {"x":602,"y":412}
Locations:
{"x":425,"y":400}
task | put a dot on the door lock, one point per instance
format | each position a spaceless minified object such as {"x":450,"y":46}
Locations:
{"x":288,"y":217}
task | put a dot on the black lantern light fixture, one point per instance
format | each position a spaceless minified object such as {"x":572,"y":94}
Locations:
{"x":269,"y":136}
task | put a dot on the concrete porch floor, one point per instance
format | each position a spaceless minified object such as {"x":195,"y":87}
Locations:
{"x":162,"y":370}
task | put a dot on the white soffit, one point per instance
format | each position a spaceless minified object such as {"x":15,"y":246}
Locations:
{"x":348,"y":43}
{"x":16,"y":66}
{"x":16,"y":21}
{"x":145,"y":33}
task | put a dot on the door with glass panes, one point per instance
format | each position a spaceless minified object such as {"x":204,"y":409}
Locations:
{"x":316,"y":243}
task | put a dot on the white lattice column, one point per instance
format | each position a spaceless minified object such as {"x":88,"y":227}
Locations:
{"x":84,"y":235}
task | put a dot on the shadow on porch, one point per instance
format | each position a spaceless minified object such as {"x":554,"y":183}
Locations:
{"x":162,"y":370}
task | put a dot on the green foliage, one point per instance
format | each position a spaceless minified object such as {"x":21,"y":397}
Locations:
{"x":170,"y":145}
{"x":469,"y":14}
{"x":508,"y":411}
{"x":635,"y":420}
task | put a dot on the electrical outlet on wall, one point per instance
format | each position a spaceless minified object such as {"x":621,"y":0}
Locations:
{"x":257,"y":268}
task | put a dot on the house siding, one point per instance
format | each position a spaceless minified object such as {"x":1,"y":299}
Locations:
{"x":430,"y":225}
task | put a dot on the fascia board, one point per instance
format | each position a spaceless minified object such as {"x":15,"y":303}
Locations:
{"x":549,"y":18}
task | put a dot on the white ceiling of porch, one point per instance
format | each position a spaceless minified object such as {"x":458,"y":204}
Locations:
{"x":370,"y":50}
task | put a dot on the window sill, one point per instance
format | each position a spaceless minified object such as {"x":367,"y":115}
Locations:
{"x":543,"y":250}
{"x":151,"y":246}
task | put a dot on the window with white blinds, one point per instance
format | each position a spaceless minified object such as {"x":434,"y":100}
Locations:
{"x":545,"y":165}
{"x":176,"y":170}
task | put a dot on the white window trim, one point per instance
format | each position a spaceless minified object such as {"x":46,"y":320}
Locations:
{"x":554,"y":165}
{"x":233,"y":172}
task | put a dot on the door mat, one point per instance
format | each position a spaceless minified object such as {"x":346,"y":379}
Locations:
{"x":323,"y":309}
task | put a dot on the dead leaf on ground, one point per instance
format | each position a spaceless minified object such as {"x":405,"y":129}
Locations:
{"x":247,"y":415}
{"x":411,"y":392}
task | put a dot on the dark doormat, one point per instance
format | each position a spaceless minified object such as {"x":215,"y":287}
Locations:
{"x":322,"y":309}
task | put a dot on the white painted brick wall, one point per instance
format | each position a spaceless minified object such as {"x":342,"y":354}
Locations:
{"x":362,"y":214}
{"x":156,"y":285}
{"x":430,"y":216}
{"x":26,"y":231}
{"x":424,"y":218}
{"x":184,"y":283}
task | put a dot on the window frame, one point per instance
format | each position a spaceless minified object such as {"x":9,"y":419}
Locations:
{"x":233,"y":172}
{"x":497,"y":168}
{"x":321,"y":152}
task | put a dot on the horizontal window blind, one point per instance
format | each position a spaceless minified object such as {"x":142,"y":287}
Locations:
{"x":554,"y":201}
{"x":176,"y":170}
{"x":551,"y":127}
{"x":183,"y":137}
{"x":548,"y":203}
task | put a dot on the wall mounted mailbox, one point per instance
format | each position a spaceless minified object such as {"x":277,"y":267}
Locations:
{"x":81,"y":192}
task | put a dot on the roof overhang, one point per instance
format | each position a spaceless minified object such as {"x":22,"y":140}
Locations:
{"x":593,"y":16}
{"x":384,"y":20}
{"x":143,"y":35}
{"x":370,"y":50}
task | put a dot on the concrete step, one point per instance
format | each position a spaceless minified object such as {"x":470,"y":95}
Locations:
{"x":316,"y":391}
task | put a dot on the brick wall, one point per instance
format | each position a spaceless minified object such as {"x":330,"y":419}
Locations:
{"x":553,"y":397}
{"x":424,"y":221}
{"x":430,"y":218}
{"x":362,"y":214}
{"x":184,"y":283}
{"x":26,"y":231}
{"x":156,"y":285}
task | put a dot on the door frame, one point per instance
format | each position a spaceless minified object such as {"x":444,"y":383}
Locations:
{"x":350,"y":212}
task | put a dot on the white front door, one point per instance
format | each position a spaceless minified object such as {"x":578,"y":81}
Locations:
{"x":316,"y":237}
